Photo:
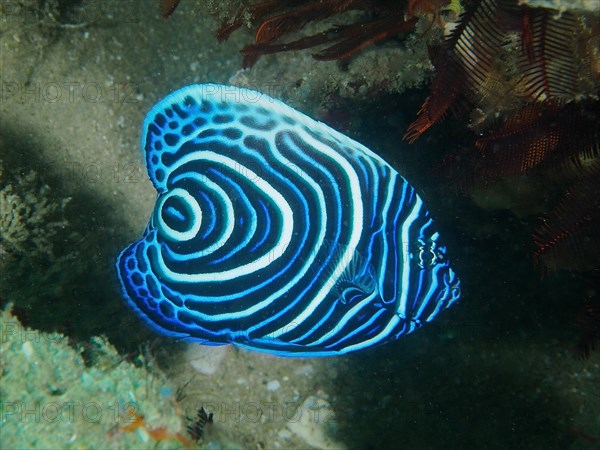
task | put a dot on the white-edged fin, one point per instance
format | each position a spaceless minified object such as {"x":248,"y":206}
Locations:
{"x":355,"y":281}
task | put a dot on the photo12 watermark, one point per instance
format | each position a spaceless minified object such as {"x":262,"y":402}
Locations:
{"x":268,"y":412}
{"x":13,"y":331}
{"x":68,"y":412}
{"x":92,"y":172}
{"x":259,"y":412}
{"x":51,"y":92}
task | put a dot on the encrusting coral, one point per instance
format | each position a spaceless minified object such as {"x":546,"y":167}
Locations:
{"x":53,"y":397}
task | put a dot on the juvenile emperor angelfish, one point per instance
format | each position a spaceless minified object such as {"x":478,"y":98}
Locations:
{"x":272,"y":231}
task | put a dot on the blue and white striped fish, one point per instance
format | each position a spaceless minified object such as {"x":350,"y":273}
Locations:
{"x":273,"y":231}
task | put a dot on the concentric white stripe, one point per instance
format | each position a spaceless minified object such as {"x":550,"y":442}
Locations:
{"x":355,"y":227}
{"x":357,"y":330}
{"x":277,"y":294}
{"x":406,"y":255}
{"x":229,"y":215}
{"x":385,"y":214}
{"x":433,"y":288}
{"x":341,"y":323}
{"x":383,"y":334}
{"x":271,"y":255}
{"x":322,"y":218}
{"x":197,"y":214}
{"x":253,"y":222}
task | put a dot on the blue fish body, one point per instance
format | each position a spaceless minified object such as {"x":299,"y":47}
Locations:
{"x":272,"y":231}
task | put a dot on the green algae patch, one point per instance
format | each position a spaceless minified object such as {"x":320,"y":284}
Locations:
{"x":52,"y":397}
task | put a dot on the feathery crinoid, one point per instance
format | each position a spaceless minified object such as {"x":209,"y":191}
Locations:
{"x":569,"y":237}
{"x":548,"y":60}
{"x":529,"y":80}
{"x":553,"y":141}
{"x":382,"y":20}
{"x":540,"y":135}
{"x":464,"y":66}
{"x":502,"y":56}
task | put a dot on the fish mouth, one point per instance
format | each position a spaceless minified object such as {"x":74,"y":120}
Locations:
{"x":452,"y":290}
